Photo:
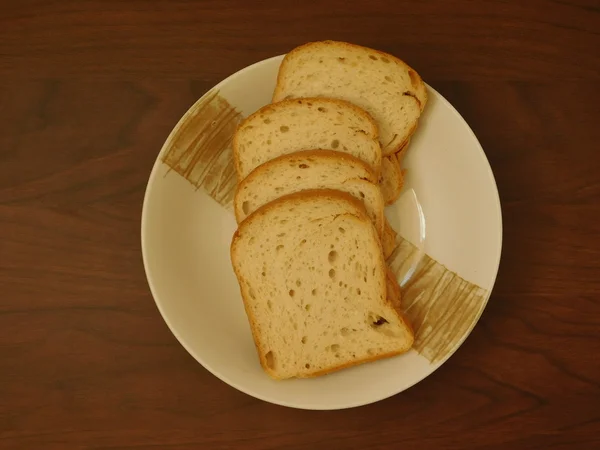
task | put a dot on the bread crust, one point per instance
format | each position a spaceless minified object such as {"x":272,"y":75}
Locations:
{"x":394,"y":177}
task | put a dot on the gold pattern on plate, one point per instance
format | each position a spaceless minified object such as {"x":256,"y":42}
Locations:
{"x":441,"y":306}
{"x":199,"y":149}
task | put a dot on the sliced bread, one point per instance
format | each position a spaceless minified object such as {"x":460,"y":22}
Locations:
{"x":386,"y":87}
{"x":313,"y":280}
{"x":391,"y":180}
{"x":311,"y":169}
{"x":291,"y":126}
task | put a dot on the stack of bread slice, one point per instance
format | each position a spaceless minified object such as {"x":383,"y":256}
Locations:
{"x":315,"y":170}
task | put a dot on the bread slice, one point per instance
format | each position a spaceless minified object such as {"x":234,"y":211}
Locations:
{"x":400,"y":154}
{"x":391,"y":180}
{"x":311,"y":169}
{"x":387,"y":88}
{"x":290,"y":126}
{"x":313,"y":280}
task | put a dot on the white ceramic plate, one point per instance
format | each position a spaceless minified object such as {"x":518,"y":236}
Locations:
{"x":449,"y":209}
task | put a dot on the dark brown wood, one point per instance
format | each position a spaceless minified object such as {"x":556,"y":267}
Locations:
{"x":90,"y":89}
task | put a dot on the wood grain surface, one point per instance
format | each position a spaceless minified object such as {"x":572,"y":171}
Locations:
{"x":90,"y":89}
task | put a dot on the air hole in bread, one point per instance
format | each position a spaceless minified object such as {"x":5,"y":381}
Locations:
{"x":307,"y":306}
{"x":314,"y":292}
{"x":281,"y":235}
{"x":279,"y":247}
{"x":333,"y":255}
{"x":291,"y":293}
{"x":341,"y":230}
{"x":284,"y":128}
{"x":344,"y":331}
{"x":335,"y":143}
{"x":264,"y":273}
{"x":270,"y":360}
{"x":298,"y":283}
{"x":387,"y":78}
{"x":341,"y":283}
{"x":373,"y":57}
{"x":269,"y":142}
{"x":303,"y":166}
{"x":278,"y":189}
{"x":358,"y":291}
{"x":331,"y":273}
{"x":307,"y":365}
{"x":298,"y":177}
{"x":251,"y":240}
{"x":385,"y":60}
{"x":252,"y":293}
{"x":303,"y":340}
{"x":267,"y":121}
{"x":362,"y":194}
{"x":321,"y":109}
{"x":337,"y":355}
{"x":341,"y":59}
{"x":335,"y":347}
{"x":246,"y":207}
{"x":375,"y":320}
{"x":269,"y":305}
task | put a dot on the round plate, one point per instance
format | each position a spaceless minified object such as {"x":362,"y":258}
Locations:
{"x":448,"y":214}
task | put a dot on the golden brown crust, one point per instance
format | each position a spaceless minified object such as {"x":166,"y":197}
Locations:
{"x":318,"y":153}
{"x":391,"y":180}
{"x":400,"y":154}
{"x":354,"y":363}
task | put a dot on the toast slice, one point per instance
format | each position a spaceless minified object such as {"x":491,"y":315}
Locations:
{"x":311,"y":169}
{"x":386,"y":87}
{"x":313,"y":280}
{"x":305,"y":124}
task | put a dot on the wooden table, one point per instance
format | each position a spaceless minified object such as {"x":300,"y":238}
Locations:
{"x":89,"y":90}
